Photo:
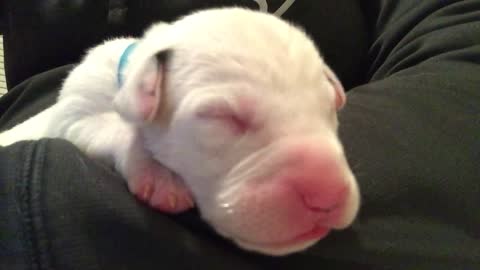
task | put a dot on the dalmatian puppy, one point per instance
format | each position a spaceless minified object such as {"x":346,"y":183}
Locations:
{"x":228,"y":109}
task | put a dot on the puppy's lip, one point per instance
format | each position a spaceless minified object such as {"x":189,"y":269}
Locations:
{"x":317,"y":233}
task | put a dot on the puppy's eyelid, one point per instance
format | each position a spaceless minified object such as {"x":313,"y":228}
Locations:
{"x":227,"y":115}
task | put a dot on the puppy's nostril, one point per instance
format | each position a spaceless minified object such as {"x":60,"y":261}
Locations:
{"x":312,"y":204}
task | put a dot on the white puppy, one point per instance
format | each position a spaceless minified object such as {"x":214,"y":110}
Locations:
{"x":230,"y":108}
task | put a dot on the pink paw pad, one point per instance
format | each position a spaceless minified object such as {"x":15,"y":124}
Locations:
{"x":159,"y":188}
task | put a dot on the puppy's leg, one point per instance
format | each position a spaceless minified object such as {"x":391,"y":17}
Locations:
{"x":106,"y":136}
{"x":154,"y":184}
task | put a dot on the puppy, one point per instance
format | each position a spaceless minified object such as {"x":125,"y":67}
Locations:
{"x":232,"y":109}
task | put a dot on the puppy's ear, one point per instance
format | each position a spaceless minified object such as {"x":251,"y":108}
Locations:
{"x":340,"y":97}
{"x":140,"y":99}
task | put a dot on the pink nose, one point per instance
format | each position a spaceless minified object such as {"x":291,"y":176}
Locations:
{"x":316,"y":177}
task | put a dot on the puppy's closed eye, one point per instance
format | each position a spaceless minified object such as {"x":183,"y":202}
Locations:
{"x":223,"y":114}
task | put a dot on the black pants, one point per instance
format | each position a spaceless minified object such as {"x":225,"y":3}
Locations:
{"x":411,"y":133}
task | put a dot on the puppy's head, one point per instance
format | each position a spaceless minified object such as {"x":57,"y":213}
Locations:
{"x":241,"y":105}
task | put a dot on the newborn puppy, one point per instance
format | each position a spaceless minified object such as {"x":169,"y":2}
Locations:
{"x":230,"y":108}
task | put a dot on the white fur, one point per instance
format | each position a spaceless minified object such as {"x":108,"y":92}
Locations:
{"x":218,"y":55}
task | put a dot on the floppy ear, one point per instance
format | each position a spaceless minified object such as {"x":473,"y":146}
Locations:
{"x":340,"y":97}
{"x":140,"y":99}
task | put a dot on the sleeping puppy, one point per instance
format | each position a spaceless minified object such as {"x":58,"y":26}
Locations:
{"x":232,"y":109}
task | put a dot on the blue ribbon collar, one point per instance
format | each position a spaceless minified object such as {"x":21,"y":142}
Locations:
{"x":122,"y":63}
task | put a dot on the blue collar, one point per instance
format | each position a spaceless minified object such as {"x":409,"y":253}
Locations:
{"x":122,"y":63}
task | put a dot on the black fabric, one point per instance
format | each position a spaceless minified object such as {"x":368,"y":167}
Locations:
{"x":43,"y":34}
{"x":411,"y":135}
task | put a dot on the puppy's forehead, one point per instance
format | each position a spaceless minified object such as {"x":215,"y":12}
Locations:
{"x":256,"y":45}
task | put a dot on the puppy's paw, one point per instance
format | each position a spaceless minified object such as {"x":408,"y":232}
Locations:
{"x":155,"y":185}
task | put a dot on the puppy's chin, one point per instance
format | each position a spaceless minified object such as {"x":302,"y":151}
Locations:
{"x":275,"y":250}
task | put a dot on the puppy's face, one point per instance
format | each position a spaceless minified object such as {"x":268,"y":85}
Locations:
{"x":244,"y":110}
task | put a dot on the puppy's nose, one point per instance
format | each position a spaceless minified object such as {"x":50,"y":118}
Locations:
{"x":324,"y":198}
{"x":316,"y":178}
